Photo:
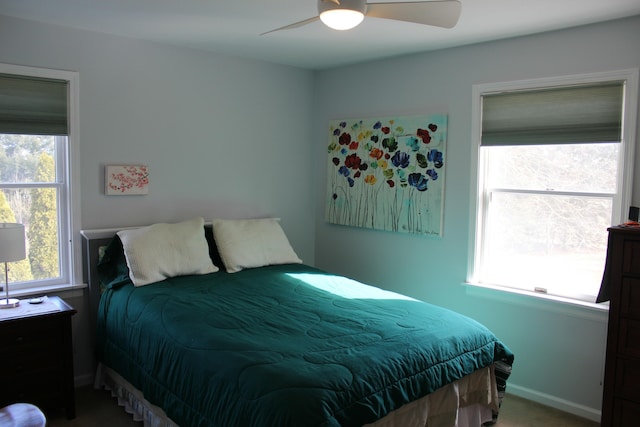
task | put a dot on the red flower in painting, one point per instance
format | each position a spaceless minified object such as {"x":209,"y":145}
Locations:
{"x":345,"y":139}
{"x":385,"y":130}
{"x":424,"y":135}
{"x":352,"y":161}
{"x":432,"y":127}
{"x":353,"y":145}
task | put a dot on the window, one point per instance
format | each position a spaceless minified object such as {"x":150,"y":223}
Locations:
{"x":35,"y":174}
{"x":554,"y":166}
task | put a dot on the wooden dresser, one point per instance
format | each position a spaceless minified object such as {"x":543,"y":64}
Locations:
{"x":621,"y":285}
{"x":36,"y":355}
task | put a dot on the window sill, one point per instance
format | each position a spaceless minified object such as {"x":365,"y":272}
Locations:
{"x":538,"y":301}
{"x":68,"y":290}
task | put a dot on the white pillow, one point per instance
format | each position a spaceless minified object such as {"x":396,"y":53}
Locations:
{"x":159,"y":251}
{"x":249,"y":243}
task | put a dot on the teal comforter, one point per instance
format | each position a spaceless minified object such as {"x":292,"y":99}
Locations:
{"x":284,"y":345}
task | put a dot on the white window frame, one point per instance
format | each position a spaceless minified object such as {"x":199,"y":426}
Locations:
{"x":68,"y":177}
{"x":622,"y":199}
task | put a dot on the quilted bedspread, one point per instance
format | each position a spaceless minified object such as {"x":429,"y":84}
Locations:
{"x":285,"y":345}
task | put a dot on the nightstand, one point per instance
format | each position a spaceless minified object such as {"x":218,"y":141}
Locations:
{"x":36,"y":355}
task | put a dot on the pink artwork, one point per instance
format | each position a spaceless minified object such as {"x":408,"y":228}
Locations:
{"x":126,"y":180}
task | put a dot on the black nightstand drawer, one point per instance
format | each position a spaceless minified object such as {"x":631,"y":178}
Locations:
{"x":21,"y":363}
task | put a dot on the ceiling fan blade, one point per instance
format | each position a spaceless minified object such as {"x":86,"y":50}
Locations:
{"x":443,"y":14}
{"x":294,"y":25}
{"x":332,"y":1}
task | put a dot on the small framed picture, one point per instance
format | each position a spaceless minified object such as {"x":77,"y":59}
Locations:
{"x":126,"y":180}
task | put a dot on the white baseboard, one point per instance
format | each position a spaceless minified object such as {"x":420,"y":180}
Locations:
{"x":555,"y":402}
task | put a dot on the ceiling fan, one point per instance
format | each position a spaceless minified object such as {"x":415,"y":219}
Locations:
{"x":347,"y":14}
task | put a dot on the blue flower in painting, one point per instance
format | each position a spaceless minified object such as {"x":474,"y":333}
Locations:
{"x":343,"y":124}
{"x":336,"y":132}
{"x":413,"y":143}
{"x":400,"y":159}
{"x":435,"y":156}
{"x":344,"y":171}
{"x":351,"y":182}
{"x":432,"y":174}
{"x":377,"y":125}
{"x":344,"y":151}
{"x":419,"y":181}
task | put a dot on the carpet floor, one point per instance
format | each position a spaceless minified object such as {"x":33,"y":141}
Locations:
{"x":96,"y":408}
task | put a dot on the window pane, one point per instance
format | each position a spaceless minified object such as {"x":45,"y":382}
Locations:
{"x":571,"y":167}
{"x":20,"y":156}
{"x":554,"y":242}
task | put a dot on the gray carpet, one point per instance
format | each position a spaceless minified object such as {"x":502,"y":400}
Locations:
{"x":96,"y":408}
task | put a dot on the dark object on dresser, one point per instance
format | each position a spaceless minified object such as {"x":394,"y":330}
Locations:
{"x":36,"y":356}
{"x":621,"y":398}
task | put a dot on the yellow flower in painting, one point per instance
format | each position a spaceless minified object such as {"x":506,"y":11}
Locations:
{"x":382,"y":163}
{"x":370,"y":179}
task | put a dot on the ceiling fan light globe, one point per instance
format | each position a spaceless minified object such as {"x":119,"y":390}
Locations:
{"x":341,"y":19}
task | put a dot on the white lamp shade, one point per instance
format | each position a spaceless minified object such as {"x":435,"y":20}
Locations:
{"x":12,"y":242}
{"x":341,"y":19}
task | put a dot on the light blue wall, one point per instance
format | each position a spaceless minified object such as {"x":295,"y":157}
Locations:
{"x":559,"y":351}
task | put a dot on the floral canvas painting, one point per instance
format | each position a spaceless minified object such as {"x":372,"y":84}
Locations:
{"x":387,"y":173}
{"x":126,"y":180}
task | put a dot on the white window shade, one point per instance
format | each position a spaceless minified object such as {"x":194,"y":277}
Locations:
{"x":560,"y":115}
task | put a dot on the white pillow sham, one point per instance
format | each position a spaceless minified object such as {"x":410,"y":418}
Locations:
{"x":250,"y":243}
{"x":160,"y":251}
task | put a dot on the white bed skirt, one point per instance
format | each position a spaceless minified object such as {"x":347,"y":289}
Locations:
{"x":469,"y":402}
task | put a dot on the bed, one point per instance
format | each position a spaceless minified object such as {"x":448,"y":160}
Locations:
{"x":258,"y":338}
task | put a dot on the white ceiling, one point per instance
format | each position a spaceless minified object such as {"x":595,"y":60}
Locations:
{"x":234,"y":26}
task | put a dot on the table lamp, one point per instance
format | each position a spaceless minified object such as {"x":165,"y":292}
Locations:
{"x":12,"y":248}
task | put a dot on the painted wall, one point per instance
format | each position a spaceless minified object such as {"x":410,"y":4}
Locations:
{"x":223,"y":137}
{"x":559,"y":349}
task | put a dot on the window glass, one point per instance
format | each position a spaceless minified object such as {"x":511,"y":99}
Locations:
{"x":589,"y":168}
{"x":546,"y":241}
